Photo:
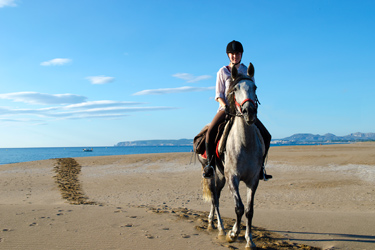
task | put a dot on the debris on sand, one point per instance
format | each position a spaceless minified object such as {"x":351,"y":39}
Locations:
{"x":263,"y":239}
{"x":67,"y":171}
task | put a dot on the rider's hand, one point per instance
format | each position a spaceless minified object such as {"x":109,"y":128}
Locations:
{"x":227,"y":109}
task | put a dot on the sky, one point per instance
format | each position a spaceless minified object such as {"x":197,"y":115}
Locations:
{"x":95,"y":72}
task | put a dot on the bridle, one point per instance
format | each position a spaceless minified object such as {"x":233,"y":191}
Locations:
{"x":240,"y":105}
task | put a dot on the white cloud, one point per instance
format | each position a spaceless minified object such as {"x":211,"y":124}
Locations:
{"x":172,"y":90}
{"x":4,"y":3}
{"x":191,"y":78}
{"x":63,"y":113}
{"x":41,"y":98}
{"x":100,"y":104}
{"x":102,"y":109}
{"x":103,"y":112}
{"x":19,"y":120}
{"x":100,"y":79}
{"x":56,"y":61}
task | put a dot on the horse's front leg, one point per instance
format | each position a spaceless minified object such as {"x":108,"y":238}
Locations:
{"x":239,"y":209}
{"x":249,"y":215}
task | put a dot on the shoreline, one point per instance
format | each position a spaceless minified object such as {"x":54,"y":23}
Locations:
{"x":29,"y":154}
{"x":318,"y":197}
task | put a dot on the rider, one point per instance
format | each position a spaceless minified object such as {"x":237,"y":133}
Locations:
{"x":234,"y":51}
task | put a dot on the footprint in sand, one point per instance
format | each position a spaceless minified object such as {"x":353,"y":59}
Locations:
{"x":128,"y":225}
{"x":149,"y":236}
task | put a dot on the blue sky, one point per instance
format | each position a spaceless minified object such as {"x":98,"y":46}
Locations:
{"x":94,"y":73}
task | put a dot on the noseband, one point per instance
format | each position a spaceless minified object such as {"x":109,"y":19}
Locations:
{"x":240,"y":105}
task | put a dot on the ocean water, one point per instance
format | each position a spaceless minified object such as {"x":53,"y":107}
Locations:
{"x":15,"y":155}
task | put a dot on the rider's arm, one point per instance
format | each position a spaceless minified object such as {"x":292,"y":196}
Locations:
{"x":221,"y":102}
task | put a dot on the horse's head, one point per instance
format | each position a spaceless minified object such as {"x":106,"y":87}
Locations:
{"x":242,"y":95}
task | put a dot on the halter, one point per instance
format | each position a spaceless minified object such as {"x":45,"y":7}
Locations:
{"x":243,"y":102}
{"x":240,"y":105}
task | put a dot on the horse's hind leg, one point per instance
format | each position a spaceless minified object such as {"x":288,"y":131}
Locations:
{"x":220,"y":182}
{"x":249,"y":215}
{"x":216,"y":186}
{"x":233,"y":186}
{"x":213,"y":195}
{"x":211,"y":215}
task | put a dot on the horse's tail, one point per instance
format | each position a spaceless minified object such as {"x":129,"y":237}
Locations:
{"x":207,"y":195}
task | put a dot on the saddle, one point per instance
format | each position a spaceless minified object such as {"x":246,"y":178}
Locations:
{"x":199,"y":142}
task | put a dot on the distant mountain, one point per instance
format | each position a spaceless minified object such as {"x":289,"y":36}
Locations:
{"x":294,"y":139}
{"x":180,"y":142}
{"x":311,"y":138}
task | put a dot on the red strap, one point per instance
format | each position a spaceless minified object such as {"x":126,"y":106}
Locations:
{"x":243,"y":102}
{"x":248,"y":100}
{"x":217,"y":149}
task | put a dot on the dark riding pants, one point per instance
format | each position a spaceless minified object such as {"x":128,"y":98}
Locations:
{"x":219,"y":118}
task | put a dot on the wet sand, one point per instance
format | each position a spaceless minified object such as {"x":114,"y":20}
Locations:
{"x":321,"y":196}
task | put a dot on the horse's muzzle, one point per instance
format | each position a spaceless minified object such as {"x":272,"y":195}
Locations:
{"x":249,"y":119}
{"x":249,"y":113}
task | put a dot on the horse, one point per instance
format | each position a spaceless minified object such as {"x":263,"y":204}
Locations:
{"x":243,"y":157}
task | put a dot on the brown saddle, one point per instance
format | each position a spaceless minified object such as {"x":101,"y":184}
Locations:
{"x":199,"y":142}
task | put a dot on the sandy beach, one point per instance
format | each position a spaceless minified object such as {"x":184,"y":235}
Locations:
{"x":321,"y":196}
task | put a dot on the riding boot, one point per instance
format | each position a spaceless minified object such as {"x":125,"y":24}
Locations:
{"x":208,"y":170}
{"x":263,"y":174}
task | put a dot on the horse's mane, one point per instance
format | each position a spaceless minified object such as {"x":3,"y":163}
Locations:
{"x":230,"y":96}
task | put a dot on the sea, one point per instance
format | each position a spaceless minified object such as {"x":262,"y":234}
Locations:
{"x":16,"y":155}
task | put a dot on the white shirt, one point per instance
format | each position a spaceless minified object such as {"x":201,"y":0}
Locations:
{"x":223,"y":80}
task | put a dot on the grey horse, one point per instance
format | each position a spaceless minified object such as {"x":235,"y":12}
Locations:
{"x":243,"y":157}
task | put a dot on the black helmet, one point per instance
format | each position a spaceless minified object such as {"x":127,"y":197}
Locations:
{"x":234,"y":47}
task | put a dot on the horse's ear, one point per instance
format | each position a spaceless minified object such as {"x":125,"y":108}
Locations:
{"x":250,"y":70}
{"x":234,"y":72}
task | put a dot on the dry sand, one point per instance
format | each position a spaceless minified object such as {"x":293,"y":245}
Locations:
{"x":322,"y":196}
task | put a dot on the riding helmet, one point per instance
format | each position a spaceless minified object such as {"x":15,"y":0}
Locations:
{"x":234,"y":47}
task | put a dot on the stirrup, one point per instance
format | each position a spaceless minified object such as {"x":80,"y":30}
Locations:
{"x":265,"y":176}
{"x":208,"y":171}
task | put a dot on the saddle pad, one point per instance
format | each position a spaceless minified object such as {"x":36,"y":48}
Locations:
{"x":204,"y":155}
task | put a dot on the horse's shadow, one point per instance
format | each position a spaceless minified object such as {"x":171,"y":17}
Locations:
{"x":338,"y":237}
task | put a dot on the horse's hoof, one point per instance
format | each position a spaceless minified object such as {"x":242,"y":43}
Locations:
{"x":221,"y":233}
{"x":221,"y":236}
{"x":251,"y":248}
{"x":231,"y":237}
